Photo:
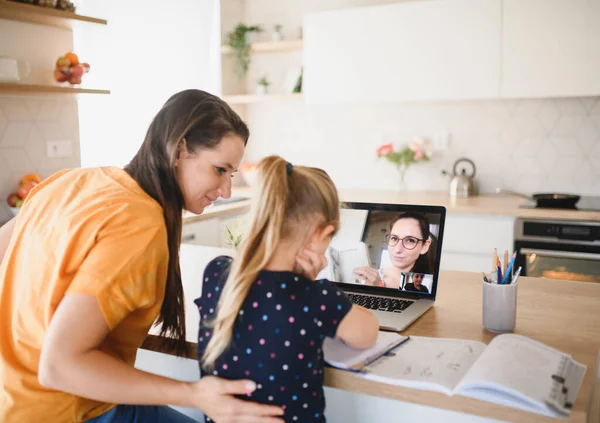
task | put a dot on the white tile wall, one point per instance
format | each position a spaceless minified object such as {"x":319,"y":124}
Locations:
{"x":26,"y":124}
{"x":526,"y":145}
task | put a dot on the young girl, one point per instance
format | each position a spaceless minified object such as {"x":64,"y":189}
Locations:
{"x":263,"y":316}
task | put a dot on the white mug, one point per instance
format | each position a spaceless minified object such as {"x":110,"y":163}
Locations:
{"x":13,"y":70}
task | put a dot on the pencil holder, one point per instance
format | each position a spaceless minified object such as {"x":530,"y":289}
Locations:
{"x":499,"y":306}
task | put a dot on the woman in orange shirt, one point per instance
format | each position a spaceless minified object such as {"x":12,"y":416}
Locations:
{"x":91,"y":262}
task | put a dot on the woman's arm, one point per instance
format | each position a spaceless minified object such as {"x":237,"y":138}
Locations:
{"x":70,"y":362}
{"x":6,"y":232}
{"x":359,"y":328}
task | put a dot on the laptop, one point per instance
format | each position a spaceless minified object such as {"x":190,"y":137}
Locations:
{"x":386,"y":257}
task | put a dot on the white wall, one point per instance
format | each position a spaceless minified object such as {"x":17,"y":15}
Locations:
{"x":149,"y":51}
{"x":528,"y":145}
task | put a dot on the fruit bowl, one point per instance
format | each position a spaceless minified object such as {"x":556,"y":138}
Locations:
{"x":15,"y":199}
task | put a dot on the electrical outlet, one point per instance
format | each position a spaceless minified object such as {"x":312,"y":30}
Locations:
{"x":441,"y":140}
{"x":57,"y":149}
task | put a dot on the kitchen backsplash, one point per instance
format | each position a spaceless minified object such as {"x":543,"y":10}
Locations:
{"x":526,"y":145}
{"x":26,"y":124}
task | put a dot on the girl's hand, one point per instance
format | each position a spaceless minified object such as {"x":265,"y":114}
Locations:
{"x":369,"y":275}
{"x":215,"y":397}
{"x":311,"y":263}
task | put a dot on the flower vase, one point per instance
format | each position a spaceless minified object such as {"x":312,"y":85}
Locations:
{"x":402,"y":182}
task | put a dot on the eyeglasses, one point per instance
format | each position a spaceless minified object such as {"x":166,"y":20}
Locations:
{"x":408,"y":242}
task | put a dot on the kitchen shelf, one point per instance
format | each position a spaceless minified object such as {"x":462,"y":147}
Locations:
{"x":33,"y":89}
{"x":267,"y":98}
{"x":43,"y":15}
{"x":269,"y":47}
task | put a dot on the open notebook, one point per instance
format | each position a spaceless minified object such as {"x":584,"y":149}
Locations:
{"x":512,"y":370}
{"x":338,"y":354}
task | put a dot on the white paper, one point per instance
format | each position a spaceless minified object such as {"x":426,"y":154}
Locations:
{"x":343,"y":261}
{"x":427,"y":363}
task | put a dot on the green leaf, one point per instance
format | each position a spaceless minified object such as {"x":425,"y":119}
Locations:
{"x":237,"y":40}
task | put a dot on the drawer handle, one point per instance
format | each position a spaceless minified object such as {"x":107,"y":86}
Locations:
{"x":190,"y":237}
{"x":561,"y":254}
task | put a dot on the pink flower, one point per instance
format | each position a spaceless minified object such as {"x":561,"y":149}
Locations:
{"x":418,"y":154}
{"x":414,"y":146}
{"x":385,"y":149}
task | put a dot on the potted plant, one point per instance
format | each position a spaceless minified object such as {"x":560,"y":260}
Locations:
{"x":277,"y":35}
{"x":239,"y":41}
{"x":298,"y":86}
{"x":233,"y":234}
{"x":263,"y":84}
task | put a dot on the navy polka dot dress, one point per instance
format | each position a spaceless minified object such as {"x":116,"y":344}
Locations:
{"x":278,"y":337}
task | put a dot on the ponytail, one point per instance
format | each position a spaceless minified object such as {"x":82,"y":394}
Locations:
{"x":266,"y":230}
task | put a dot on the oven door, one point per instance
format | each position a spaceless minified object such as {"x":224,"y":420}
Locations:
{"x":558,"y":261}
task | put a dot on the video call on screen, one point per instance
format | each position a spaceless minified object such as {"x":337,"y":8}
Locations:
{"x":385,"y":249}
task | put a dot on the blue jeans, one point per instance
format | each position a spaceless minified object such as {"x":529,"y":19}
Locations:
{"x":142,"y":414}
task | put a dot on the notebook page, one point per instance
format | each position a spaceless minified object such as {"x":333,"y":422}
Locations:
{"x":518,"y":366}
{"x":340,"y":355}
{"x":436,"y":364}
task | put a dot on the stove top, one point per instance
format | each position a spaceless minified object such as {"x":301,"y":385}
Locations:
{"x":584,"y":204}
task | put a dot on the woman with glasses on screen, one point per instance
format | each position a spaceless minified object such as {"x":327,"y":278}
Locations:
{"x":408,"y":244}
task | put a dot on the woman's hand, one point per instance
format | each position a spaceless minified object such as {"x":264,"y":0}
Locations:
{"x":311,"y":263}
{"x":215,"y":397}
{"x":369,"y":275}
{"x":71,"y":362}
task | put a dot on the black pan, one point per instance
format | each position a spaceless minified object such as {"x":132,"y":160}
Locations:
{"x":547,"y":200}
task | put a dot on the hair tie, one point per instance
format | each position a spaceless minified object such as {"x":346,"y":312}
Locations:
{"x":289,"y":167}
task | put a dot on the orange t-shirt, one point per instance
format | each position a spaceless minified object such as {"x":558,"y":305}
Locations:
{"x":83,"y":231}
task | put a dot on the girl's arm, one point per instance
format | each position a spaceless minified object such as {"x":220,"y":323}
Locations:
{"x":359,"y":328}
{"x":71,"y":362}
{"x":6,"y":232}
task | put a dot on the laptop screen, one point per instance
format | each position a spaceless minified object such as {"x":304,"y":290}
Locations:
{"x":387,"y":247}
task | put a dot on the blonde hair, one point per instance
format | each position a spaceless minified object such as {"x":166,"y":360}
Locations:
{"x":287,"y":199}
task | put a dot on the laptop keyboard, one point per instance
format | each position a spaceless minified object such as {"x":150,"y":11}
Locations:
{"x":380,"y":303}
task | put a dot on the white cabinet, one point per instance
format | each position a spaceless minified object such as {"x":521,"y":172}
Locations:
{"x":551,"y":48}
{"x":469,"y":241}
{"x":205,"y":232}
{"x":421,"y":50}
{"x":212,"y":231}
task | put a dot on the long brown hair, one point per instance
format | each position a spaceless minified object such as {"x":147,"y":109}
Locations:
{"x":203,"y":120}
{"x":290,"y":201}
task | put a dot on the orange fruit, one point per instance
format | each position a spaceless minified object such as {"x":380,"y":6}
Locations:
{"x":72,"y":58}
{"x":31,"y":177}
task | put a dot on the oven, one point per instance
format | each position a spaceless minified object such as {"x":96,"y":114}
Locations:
{"x":558,"y":249}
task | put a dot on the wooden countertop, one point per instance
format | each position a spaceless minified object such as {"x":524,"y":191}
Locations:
{"x":499,"y":205}
{"x":212,"y":212}
{"x":564,"y":315}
